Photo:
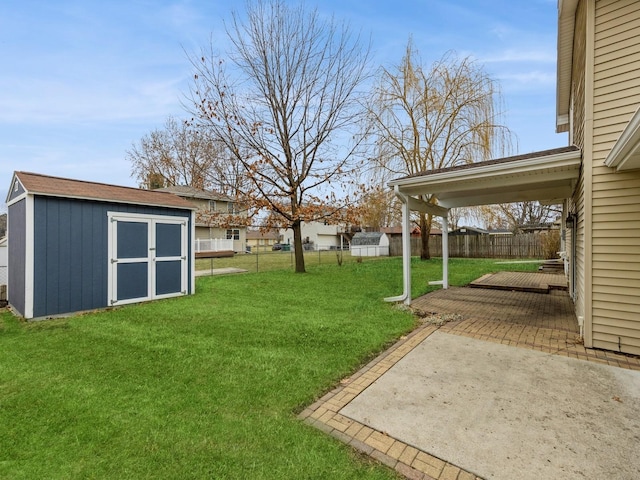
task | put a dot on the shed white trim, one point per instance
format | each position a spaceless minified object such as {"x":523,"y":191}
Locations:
{"x":29,"y":251}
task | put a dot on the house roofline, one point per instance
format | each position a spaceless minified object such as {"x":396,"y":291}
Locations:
{"x":625,"y":154}
{"x":566,"y":27}
{"x":510,"y":165}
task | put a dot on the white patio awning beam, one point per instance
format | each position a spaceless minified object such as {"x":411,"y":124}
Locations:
{"x":419,"y":205}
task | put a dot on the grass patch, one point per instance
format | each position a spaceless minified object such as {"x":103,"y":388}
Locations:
{"x":205,"y":386}
{"x":266,"y":261}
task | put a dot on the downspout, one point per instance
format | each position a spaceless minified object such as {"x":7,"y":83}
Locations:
{"x":445,"y":255}
{"x":406,"y":252}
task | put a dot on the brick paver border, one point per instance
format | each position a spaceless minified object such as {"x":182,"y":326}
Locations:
{"x":404,"y":458}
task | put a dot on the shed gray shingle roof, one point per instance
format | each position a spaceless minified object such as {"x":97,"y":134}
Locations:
{"x":36,"y":183}
{"x":366,"y":238}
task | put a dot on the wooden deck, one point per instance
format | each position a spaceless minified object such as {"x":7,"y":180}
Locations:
{"x":215,"y":254}
{"x":537,"y":282}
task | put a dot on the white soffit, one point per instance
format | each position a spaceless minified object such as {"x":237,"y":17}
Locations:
{"x":542,"y":178}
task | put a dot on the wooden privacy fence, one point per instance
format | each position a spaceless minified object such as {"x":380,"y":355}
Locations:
{"x":526,"y":245}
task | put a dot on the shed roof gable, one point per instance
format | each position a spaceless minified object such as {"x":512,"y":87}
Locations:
{"x":38,"y":184}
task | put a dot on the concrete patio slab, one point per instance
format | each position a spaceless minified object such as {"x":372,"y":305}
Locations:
{"x":508,"y":413}
{"x":490,"y":393}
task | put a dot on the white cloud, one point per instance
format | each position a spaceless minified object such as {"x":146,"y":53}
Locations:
{"x":534,"y":77}
{"x":540,"y":55}
{"x":41,"y":101}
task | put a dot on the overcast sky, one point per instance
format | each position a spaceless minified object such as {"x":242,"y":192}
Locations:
{"x":81,"y":80}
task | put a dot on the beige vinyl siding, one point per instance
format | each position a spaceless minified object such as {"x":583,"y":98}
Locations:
{"x":202,"y":233}
{"x":576,"y":203}
{"x":616,"y":196}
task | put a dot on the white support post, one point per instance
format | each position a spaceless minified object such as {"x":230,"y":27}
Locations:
{"x":445,"y":252}
{"x":406,"y":251}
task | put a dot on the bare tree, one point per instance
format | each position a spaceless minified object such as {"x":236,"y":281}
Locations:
{"x":379,"y":208}
{"x":178,"y":154}
{"x":283,"y":104}
{"x":183,"y":153}
{"x":517,"y":215}
{"x":427,"y":119}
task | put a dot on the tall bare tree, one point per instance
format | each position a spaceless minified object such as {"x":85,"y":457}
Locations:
{"x":283,"y":103}
{"x":516,"y":215}
{"x":182,"y":153}
{"x":177,"y":154}
{"x":379,"y":208}
{"x":436,"y":117}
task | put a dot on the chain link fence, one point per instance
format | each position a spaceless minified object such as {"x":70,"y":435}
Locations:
{"x":259,"y":260}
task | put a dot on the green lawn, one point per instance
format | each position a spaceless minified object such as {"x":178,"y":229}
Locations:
{"x":206,"y":386}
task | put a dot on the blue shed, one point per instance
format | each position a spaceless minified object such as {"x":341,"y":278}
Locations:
{"x":77,"y":246}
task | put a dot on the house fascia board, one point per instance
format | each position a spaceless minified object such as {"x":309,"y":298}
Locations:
{"x":625,"y":154}
{"x":566,"y":26}
{"x":507,"y":183}
{"x":566,"y":160}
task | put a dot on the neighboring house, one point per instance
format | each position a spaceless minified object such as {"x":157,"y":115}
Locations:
{"x":538,"y":227}
{"x":258,"y":240}
{"x":596,"y":178}
{"x":76,"y":246}
{"x":370,"y":244}
{"x":319,"y":236}
{"x":415,"y":232}
{"x":218,"y":217}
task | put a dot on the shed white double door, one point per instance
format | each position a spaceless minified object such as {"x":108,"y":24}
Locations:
{"x":147,"y":257}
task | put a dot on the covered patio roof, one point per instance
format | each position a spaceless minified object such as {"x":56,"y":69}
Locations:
{"x":548,"y":176}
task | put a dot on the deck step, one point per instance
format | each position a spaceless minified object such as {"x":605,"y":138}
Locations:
{"x":521,"y":282}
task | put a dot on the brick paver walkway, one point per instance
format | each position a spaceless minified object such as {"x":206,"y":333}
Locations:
{"x":527,"y":320}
